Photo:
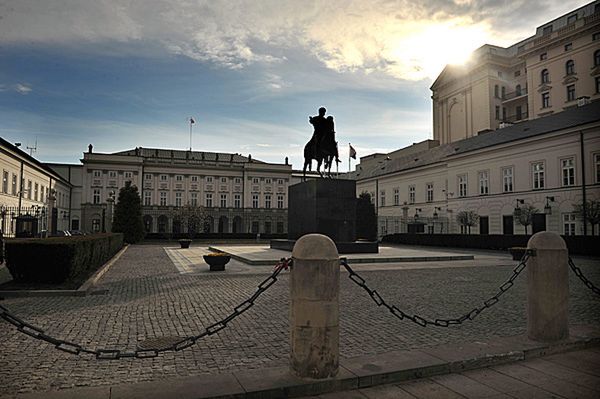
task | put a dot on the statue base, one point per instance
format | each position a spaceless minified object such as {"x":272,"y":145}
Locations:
{"x":356,"y":247}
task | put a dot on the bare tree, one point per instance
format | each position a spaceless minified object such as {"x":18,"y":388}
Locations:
{"x":191,"y":218}
{"x":467,"y":219}
{"x":524,"y":215}
{"x":592,"y":213}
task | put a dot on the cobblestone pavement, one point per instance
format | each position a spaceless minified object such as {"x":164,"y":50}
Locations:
{"x":149,"y":298}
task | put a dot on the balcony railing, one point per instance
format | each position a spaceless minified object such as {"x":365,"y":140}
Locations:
{"x":514,"y":94}
{"x":523,"y":116}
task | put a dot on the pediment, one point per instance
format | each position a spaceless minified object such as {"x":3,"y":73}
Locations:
{"x":595,"y":70}
{"x":570,"y":79}
{"x":544,"y":87}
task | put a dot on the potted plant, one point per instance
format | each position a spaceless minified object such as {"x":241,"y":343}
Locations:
{"x":517,"y":252}
{"x":217,"y":261}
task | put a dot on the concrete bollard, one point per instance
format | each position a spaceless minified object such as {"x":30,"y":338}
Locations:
{"x":548,"y":288}
{"x":314,"y":313}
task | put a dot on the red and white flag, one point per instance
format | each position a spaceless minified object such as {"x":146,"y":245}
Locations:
{"x":352,"y":152}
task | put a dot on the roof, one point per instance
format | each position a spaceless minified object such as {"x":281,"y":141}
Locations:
{"x":186,"y":154}
{"x":32,"y":160}
{"x":570,"y":118}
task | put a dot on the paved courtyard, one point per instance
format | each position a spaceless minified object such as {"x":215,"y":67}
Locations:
{"x":149,"y":296}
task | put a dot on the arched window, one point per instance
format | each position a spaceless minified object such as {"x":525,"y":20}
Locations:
{"x":570,"y":67}
{"x":545,"y":76}
{"x":518,"y":90}
{"x":597,"y":58}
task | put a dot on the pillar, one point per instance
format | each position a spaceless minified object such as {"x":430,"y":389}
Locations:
{"x":314,"y":314}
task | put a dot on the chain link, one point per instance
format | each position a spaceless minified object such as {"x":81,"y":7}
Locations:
{"x":423,"y":322}
{"x":115,"y":354}
{"x":584,"y":279}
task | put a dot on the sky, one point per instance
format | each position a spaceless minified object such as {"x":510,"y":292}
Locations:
{"x":121,"y":74}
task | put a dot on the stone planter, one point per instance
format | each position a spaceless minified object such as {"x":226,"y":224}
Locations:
{"x":517,"y":252}
{"x":185,"y":243}
{"x":217,"y":263}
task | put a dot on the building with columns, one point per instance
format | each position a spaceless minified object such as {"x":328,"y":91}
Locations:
{"x":549,"y":72}
{"x":240,"y":194}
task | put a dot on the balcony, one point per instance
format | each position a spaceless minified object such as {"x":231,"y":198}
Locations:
{"x":523,"y":116}
{"x":515,"y":95}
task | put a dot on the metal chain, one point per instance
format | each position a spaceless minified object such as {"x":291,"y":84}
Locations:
{"x":437,"y":322}
{"x":113,"y":354}
{"x":579,"y":274}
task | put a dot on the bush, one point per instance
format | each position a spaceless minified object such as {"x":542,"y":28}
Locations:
{"x":60,"y":259}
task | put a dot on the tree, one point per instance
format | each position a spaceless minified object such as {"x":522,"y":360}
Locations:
{"x":467,"y":219}
{"x":592,"y":212}
{"x":366,"y":219}
{"x":524,"y":215}
{"x":191,"y":218}
{"x":128,"y":214}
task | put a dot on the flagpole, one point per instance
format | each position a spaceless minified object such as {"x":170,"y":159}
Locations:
{"x":191,"y":123}
{"x":349,"y":162}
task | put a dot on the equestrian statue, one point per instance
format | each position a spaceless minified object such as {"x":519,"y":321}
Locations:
{"x":322,"y":146}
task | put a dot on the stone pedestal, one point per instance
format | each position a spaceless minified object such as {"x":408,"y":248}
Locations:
{"x":314,"y":313}
{"x":547,"y":288}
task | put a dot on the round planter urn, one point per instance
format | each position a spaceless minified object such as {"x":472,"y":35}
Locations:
{"x":185,"y":243}
{"x":217,"y":262}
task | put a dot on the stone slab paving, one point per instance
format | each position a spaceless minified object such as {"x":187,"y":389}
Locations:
{"x":558,"y":376}
{"x":148,"y":297}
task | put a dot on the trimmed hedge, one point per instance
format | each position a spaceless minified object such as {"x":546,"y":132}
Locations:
{"x":580,"y":245}
{"x":59,"y":259}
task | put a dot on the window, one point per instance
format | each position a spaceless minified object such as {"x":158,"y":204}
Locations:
{"x":36,"y":191}
{"x":547,"y":30}
{"x":179,"y":178}
{"x":267,"y":181}
{"x":147,"y":198}
{"x":568,"y":46}
{"x":429,"y":192}
{"x":597,"y":167}
{"x":14,"y":184}
{"x":280,"y":182}
{"x":112,"y":174}
{"x":97,"y":173}
{"x":208,"y":199}
{"x":503,"y":113}
{"x":194,"y":179}
{"x":411,"y":194}
{"x":209,"y":179}
{"x":163,"y":198}
{"x":597,"y":84}
{"x":496,"y":92}
{"x":280,"y":201}
{"x":507,"y":180}
{"x":128,"y":175}
{"x":147,"y":176}
{"x":545,"y":76}
{"x":571,"y":19}
{"x":484,"y":182}
{"x":194,"y":199}
{"x":267,"y":201}
{"x":497,"y":112}
{"x":543,"y":56}
{"x":223,"y":200}
{"x":568,"y":224}
{"x":96,"y":225}
{"x":255,"y":201}
{"x":597,"y":58}
{"x":382,"y":198}
{"x":223,"y":180}
{"x":237,"y":201}
{"x":568,"y":171}
{"x":178,"y":199}
{"x":396,"y":196}
{"x":596,"y":36}
{"x":255,"y":180}
{"x":238,"y":180}
{"x":517,"y":73}
{"x":5,"y":182}
{"x":29,"y":190}
{"x":571,"y":93}
{"x":279,"y":227}
{"x":164,"y":177}
{"x":537,"y":169}
{"x":96,"y":197}
{"x":570,"y":67}
{"x":503,"y":92}
{"x":499,"y":74}
{"x":518,"y":90}
{"x":462,"y":185}
{"x":546,"y":100}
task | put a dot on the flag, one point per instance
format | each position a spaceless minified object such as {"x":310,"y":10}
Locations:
{"x":192,"y":120}
{"x":352,"y":152}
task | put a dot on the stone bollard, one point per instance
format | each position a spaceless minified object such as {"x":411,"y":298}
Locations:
{"x":314,"y":313}
{"x":547,"y":288}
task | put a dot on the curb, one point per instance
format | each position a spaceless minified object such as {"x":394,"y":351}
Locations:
{"x":354,"y":373}
{"x":86,"y":288}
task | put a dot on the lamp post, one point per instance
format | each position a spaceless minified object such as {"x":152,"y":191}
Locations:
{"x":517,"y":211}
{"x":548,"y":207}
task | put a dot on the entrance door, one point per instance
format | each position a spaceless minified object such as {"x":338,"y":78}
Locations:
{"x":507,"y":224}
{"x":484,"y":225}
{"x":538,"y":222}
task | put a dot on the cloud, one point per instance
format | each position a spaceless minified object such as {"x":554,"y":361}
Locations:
{"x":23,"y":89}
{"x":400,"y":38}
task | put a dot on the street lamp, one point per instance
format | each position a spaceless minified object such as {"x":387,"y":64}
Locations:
{"x":435,"y":209}
{"x":547,"y":207}
{"x":417,"y":210}
{"x":517,"y":209}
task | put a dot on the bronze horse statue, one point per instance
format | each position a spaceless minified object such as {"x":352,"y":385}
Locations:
{"x":327,"y":152}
